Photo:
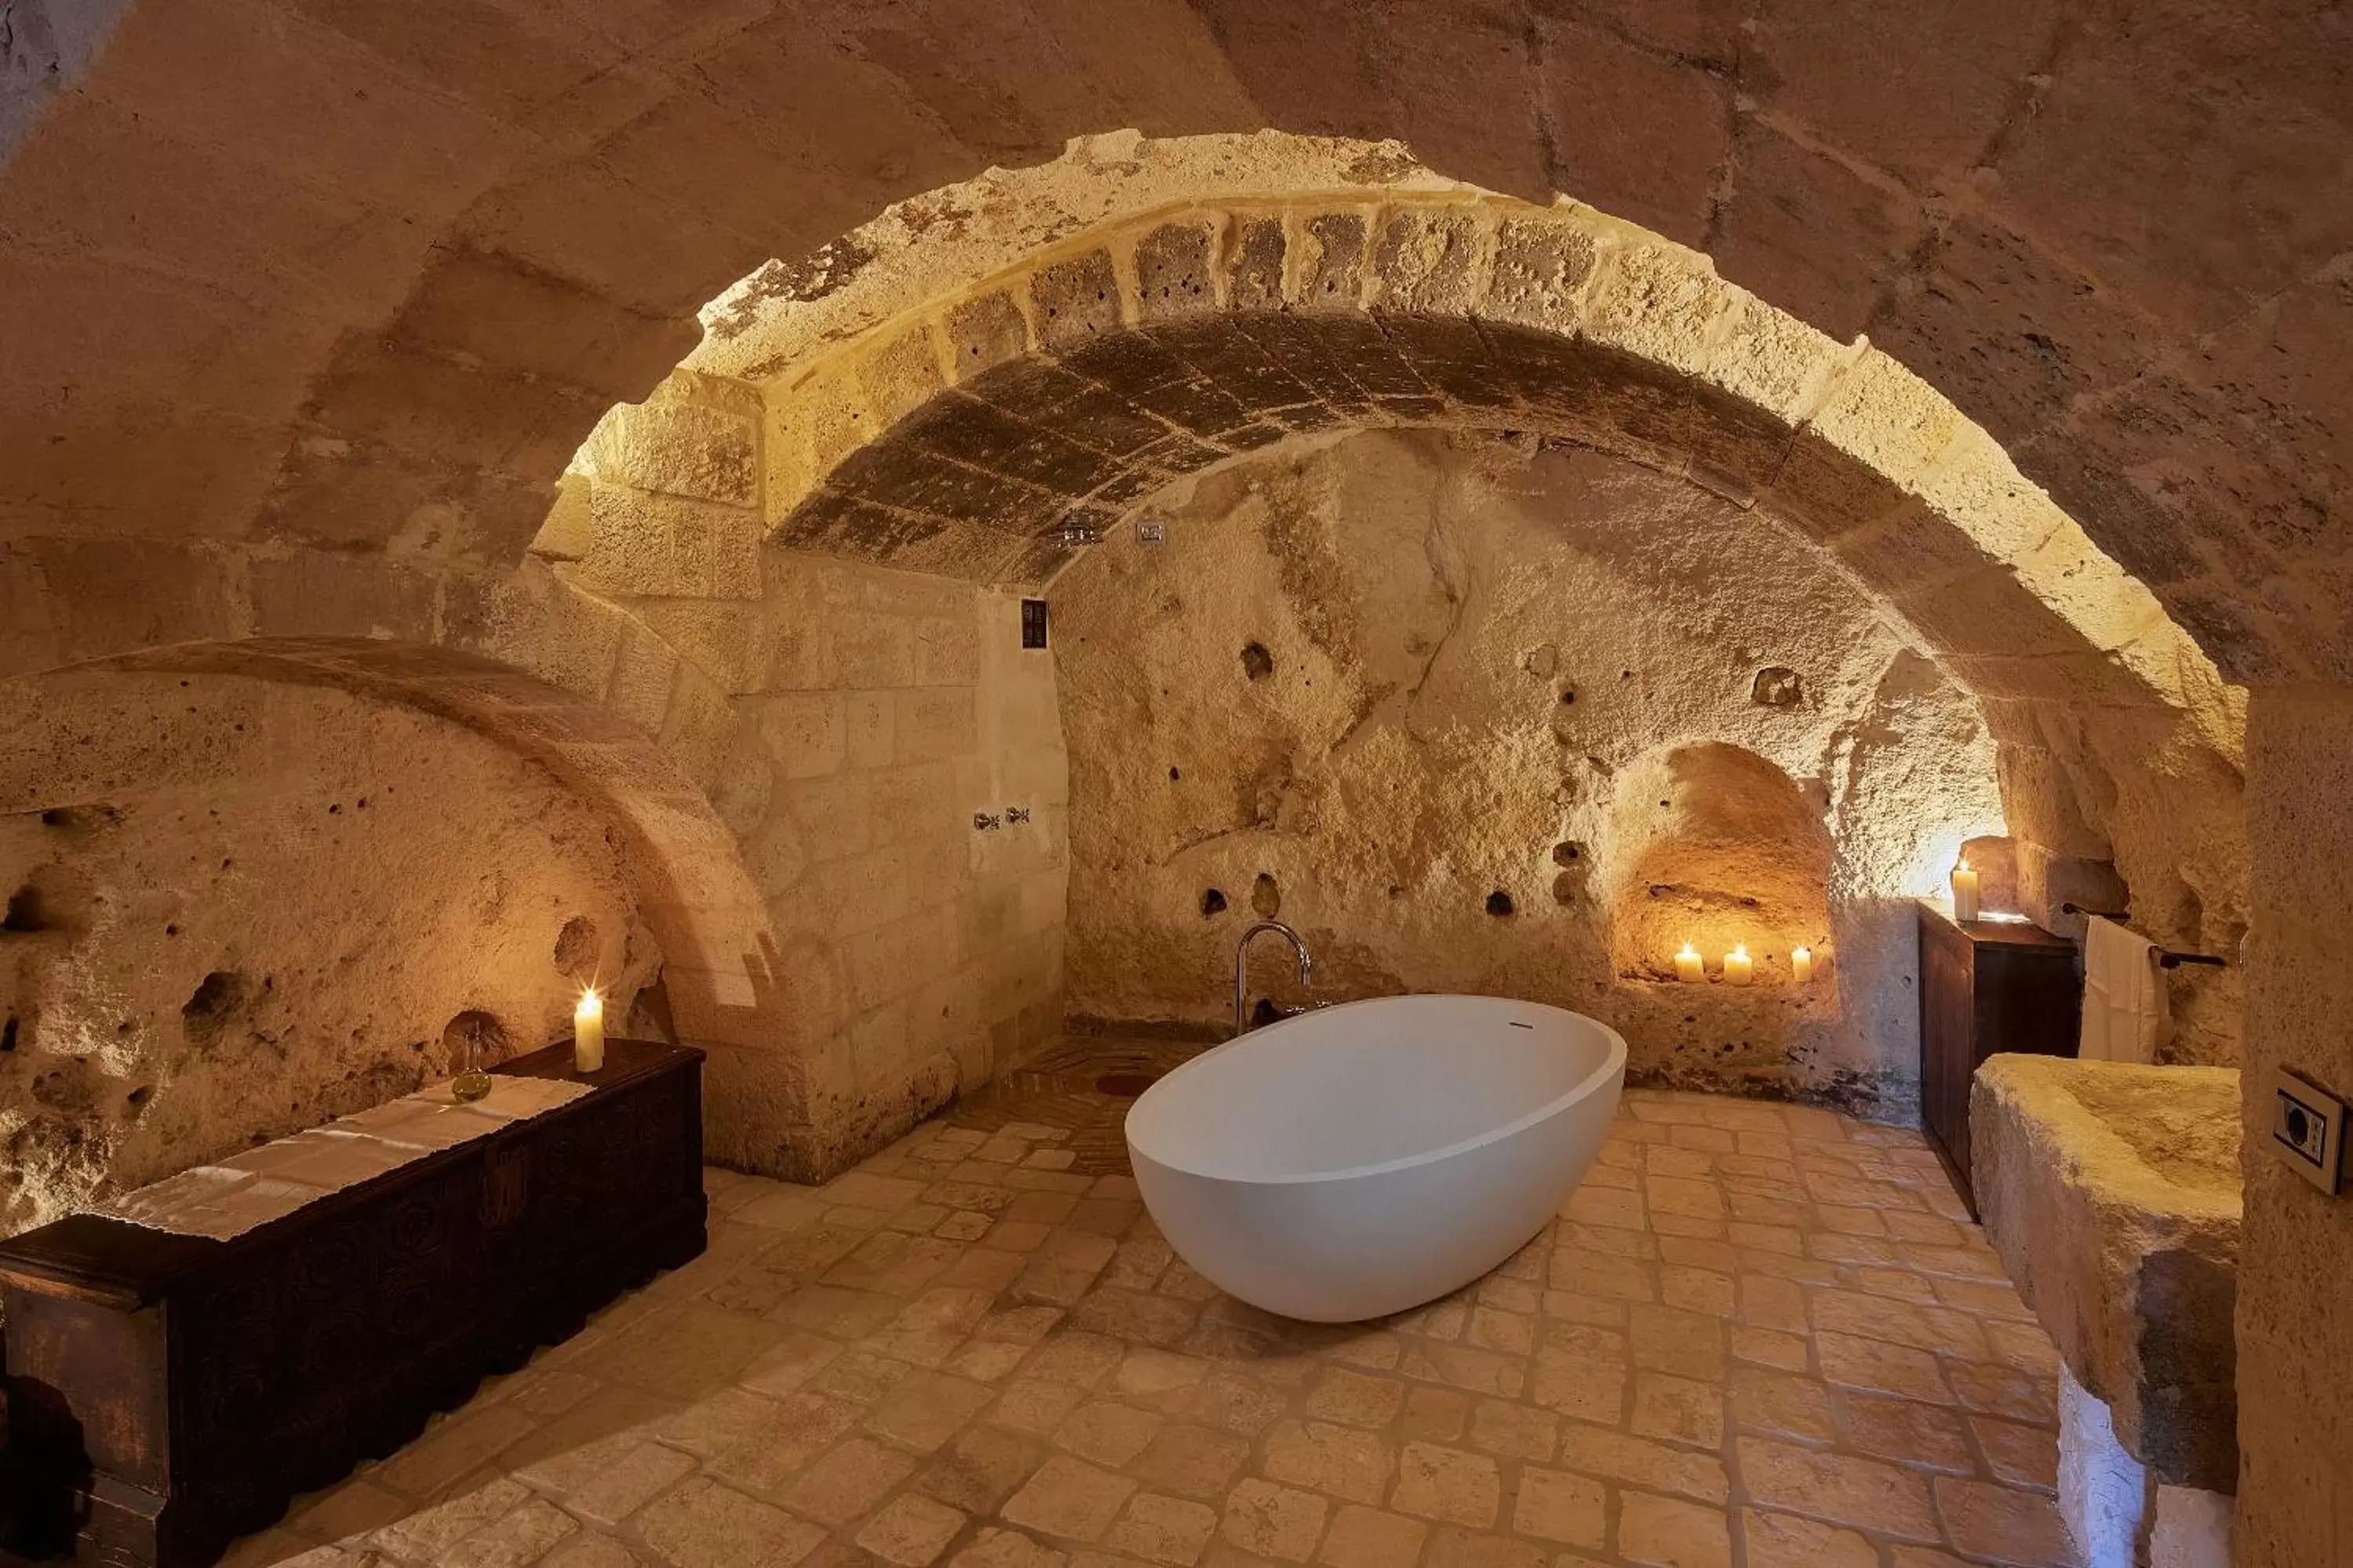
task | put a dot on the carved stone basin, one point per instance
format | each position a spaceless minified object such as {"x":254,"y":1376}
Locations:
{"x":2112,"y":1193}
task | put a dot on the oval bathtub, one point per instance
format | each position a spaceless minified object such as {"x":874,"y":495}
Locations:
{"x":1359,"y":1159}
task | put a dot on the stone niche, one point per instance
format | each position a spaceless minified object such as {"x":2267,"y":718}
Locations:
{"x":237,"y":907}
{"x":1419,"y":694}
{"x":1714,"y":846}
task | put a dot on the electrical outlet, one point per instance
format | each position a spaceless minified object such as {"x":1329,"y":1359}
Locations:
{"x":2308,"y":1130}
{"x":1152,"y":532}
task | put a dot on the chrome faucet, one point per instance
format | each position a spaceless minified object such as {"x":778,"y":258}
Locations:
{"x":1241,"y":967}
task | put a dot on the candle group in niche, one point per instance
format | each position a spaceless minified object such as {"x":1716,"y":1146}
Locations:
{"x":1739,"y":968}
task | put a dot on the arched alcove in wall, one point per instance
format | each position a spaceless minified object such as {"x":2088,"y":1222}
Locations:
{"x":275,"y":880}
{"x":1712,"y":845}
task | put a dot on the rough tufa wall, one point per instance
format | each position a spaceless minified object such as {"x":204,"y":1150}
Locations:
{"x":1373,"y":686}
{"x":2295,"y":1255}
{"x":237,"y":907}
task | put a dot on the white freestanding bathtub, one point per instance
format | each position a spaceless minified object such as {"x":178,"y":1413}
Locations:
{"x":1359,"y":1159}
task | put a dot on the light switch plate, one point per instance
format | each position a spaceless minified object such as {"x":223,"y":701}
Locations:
{"x":2308,"y":1130}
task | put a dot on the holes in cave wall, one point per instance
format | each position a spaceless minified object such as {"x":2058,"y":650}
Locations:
{"x":51,"y":898}
{"x":1776,"y":686}
{"x":24,"y":913}
{"x":1266,"y":896}
{"x":220,"y":998}
{"x":576,"y":950}
{"x":1568,"y":883}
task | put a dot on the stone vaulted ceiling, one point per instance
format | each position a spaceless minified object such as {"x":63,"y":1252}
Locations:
{"x":296,"y":289}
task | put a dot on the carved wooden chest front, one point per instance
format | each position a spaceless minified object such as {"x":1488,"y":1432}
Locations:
{"x":168,"y":1392}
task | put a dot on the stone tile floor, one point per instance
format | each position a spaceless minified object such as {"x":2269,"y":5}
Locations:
{"x":1758,"y":1335}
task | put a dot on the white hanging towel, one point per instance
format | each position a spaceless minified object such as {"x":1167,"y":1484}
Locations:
{"x":2123,"y":1002}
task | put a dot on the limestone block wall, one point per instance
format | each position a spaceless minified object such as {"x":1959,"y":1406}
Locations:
{"x":1434,"y":699}
{"x":236,"y":907}
{"x":852,"y":724}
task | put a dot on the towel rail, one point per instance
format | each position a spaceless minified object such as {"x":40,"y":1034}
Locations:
{"x":2165,"y":957}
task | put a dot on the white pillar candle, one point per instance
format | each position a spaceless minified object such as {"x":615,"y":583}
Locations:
{"x":1689,"y":966}
{"x":1965,"y":892}
{"x":588,"y":1033}
{"x":1739,"y":969}
{"x":1801,"y":965}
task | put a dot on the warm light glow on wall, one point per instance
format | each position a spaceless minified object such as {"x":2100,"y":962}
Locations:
{"x":1928,"y":874}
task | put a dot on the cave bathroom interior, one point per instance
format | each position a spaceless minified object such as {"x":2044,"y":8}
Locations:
{"x":1070,"y":786}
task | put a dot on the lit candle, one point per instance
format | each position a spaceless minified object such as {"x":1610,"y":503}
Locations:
{"x":1801,"y":965}
{"x":588,"y":1032}
{"x":1688,"y":966}
{"x":1739,"y":969}
{"x":1964,"y":891}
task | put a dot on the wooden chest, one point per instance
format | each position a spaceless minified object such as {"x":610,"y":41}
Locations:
{"x":1986,"y":987}
{"x":168,"y":1392}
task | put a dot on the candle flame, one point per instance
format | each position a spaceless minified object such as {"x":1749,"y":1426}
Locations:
{"x":1688,"y":952}
{"x":1739,"y":950}
{"x":592,"y":1003}
{"x":1964,"y":865}
{"x":1801,"y":953}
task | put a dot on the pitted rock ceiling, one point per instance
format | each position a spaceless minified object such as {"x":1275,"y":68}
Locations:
{"x":373,"y":299}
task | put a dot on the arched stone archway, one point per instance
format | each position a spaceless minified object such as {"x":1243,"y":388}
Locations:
{"x":964,"y":392}
{"x":1013,"y":409}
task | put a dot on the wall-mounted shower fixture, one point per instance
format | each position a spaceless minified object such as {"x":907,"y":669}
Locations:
{"x":984,"y":821}
{"x":1016,"y":814}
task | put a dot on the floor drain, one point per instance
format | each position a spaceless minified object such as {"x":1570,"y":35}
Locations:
{"x":1125,"y":1084}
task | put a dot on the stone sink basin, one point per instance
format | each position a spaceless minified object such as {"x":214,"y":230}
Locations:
{"x":2111,"y":1192}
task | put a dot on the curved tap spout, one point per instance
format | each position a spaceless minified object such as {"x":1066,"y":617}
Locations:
{"x":1242,"y":966}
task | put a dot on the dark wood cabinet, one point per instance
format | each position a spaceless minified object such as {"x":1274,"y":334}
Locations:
{"x":1986,"y":987}
{"x":167,"y":1393}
